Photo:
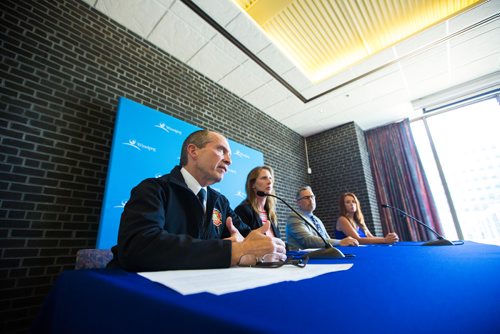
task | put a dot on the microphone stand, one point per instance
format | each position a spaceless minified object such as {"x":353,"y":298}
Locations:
{"x":441,"y":241}
{"x":328,"y":252}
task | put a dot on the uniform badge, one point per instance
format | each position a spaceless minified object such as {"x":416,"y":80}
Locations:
{"x":216,"y":218}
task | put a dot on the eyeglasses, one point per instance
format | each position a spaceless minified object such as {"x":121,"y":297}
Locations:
{"x":306,"y":197}
{"x":271,"y":261}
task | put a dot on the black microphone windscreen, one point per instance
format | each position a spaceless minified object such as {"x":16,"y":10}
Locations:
{"x":261,"y":193}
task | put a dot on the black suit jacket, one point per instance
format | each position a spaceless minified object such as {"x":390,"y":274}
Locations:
{"x":163,"y":227}
{"x":251,"y":218}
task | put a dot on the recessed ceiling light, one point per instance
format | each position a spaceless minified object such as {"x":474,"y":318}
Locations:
{"x":325,"y":37}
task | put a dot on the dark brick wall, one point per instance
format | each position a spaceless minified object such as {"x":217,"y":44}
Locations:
{"x":340,"y":163}
{"x":63,"y":67}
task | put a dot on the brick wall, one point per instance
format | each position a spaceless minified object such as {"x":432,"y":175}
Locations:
{"x":63,"y":67}
{"x":340,"y":163}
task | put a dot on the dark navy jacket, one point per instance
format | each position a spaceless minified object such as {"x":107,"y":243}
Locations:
{"x":252,"y":218}
{"x":163,"y":227}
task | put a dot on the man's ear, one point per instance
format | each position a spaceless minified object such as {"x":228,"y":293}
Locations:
{"x":192,"y":151}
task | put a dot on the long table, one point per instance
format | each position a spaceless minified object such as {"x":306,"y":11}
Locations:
{"x":405,"y":288}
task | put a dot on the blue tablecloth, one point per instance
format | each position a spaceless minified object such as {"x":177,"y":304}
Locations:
{"x":404,"y":288}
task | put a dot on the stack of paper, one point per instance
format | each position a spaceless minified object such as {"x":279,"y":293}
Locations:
{"x":221,"y":281}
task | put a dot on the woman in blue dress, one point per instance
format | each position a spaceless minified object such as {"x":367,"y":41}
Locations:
{"x":351,"y":223}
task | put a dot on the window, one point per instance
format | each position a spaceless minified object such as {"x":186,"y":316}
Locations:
{"x":464,"y":169}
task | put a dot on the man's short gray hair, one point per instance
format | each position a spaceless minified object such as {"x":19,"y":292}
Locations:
{"x":301,"y":189}
{"x":199,"y":138}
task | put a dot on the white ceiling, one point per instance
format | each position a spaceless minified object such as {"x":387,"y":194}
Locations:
{"x":375,"y":92}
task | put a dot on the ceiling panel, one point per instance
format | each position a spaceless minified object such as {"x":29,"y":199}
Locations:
{"x":336,"y":81}
{"x":479,"y":43}
{"x":335,"y":106}
{"x":422,"y":40}
{"x":138,"y":16}
{"x":469,"y":17}
{"x":324,"y":37}
{"x":430,"y":64}
{"x":372,"y":92}
{"x":241,"y":81}
{"x":273,"y":58}
{"x":268,"y":95}
{"x":379,"y":111}
{"x":229,"y":49}
{"x":478,"y":68}
{"x":212,"y":62}
{"x":284,"y":108}
{"x":297,"y":79}
{"x":222,"y":12}
{"x":383,"y":83}
{"x":247,"y":34}
{"x":171,"y":34}
{"x":375,"y":117}
{"x":256,"y":72}
{"x":195,"y":22}
{"x":379,"y":59}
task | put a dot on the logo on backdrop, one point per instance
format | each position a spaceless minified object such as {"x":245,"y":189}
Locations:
{"x":139,"y":146}
{"x":241,"y":154}
{"x":232,"y":171}
{"x":168,"y":129}
{"x":142,"y":130}
{"x":240,"y":194}
{"x":122,"y":205}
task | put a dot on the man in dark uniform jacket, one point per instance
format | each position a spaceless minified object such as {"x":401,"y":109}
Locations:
{"x":165,"y":225}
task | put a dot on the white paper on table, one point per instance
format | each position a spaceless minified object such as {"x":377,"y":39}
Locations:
{"x":221,"y":281}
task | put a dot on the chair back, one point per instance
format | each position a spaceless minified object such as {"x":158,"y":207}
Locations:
{"x":93,"y":258}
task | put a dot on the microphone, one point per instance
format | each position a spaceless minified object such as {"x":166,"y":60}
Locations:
{"x":328,"y":252}
{"x":441,"y":241}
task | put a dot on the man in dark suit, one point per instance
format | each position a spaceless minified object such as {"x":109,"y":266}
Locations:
{"x":178,"y":222}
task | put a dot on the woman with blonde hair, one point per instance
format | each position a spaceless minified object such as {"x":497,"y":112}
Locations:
{"x":351,"y":223}
{"x":256,"y":210}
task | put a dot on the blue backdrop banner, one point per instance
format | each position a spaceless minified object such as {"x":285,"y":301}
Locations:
{"x":147,"y":143}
